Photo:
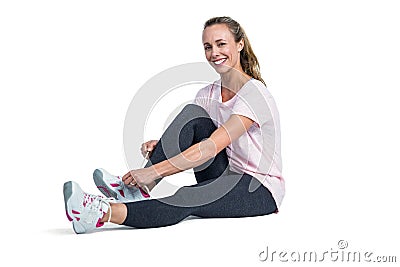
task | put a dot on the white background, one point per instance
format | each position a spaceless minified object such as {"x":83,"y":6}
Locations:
{"x":69,"y":69}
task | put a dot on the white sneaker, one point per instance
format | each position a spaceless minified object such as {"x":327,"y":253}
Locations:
{"x":84,"y":210}
{"x":113,"y":186}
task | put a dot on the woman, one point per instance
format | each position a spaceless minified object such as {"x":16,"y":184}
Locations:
{"x":230,"y":136}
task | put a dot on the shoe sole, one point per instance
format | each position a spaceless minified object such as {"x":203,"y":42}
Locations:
{"x":68,"y":190}
{"x":102,"y":186}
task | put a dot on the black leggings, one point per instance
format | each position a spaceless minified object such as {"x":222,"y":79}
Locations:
{"x":219,"y":192}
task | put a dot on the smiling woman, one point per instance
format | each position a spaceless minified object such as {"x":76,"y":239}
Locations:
{"x":228,"y":36}
{"x":229,"y":136}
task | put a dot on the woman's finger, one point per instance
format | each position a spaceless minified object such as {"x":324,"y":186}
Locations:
{"x":126,"y":176}
{"x":143,"y":149}
{"x":132,"y":183}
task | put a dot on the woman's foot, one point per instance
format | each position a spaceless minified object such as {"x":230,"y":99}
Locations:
{"x":85,"y":211}
{"x":113,"y":186}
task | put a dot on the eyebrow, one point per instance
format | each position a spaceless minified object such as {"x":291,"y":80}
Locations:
{"x":219,"y":40}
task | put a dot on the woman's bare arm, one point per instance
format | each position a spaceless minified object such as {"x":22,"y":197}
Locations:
{"x":201,"y":152}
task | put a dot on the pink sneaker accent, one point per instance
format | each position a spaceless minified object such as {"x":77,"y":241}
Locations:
{"x":103,"y":188}
{"x":99,"y":223}
{"x":69,"y":217}
{"x":144,"y":193}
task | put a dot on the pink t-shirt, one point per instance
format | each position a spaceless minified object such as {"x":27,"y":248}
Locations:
{"x":258,"y":151}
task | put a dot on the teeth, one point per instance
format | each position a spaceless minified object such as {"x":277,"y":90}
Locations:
{"x":219,"y":61}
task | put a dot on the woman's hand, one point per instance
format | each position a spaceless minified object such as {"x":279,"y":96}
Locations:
{"x":148,"y":147}
{"x":140,"y":177}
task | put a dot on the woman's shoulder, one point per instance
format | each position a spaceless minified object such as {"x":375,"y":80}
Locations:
{"x":255,"y":87}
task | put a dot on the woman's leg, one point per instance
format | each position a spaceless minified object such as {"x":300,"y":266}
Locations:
{"x":118,"y":214}
{"x":217,"y":194}
{"x":189,"y":127}
{"x":241,"y":201}
{"x":226,"y":196}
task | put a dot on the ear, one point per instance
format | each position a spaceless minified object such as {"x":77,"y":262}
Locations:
{"x":240,"y":45}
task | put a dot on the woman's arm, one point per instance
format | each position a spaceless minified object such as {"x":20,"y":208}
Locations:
{"x":201,"y":152}
{"x":195,"y":155}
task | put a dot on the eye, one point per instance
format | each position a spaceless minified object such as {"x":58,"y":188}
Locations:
{"x":207,"y":47}
{"x":221,"y":44}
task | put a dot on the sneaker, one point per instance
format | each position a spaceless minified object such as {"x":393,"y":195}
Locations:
{"x":113,"y":186}
{"x":84,"y":210}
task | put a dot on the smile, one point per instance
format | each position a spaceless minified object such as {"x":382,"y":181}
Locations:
{"x":219,"y":61}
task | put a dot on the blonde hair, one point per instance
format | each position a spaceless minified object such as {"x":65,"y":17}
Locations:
{"x":248,"y":59}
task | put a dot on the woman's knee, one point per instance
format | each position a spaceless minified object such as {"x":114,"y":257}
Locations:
{"x":194,"y":111}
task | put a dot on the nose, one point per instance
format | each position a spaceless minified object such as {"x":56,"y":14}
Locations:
{"x":214,"y":52}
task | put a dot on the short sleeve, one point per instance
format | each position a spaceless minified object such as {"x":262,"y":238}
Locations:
{"x":252,"y":103}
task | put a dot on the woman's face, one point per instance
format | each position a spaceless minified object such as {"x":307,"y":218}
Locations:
{"x":221,"y":50}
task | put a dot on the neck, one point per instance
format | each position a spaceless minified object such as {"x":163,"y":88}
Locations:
{"x":234,"y":80}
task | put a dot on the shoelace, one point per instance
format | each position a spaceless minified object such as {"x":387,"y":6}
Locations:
{"x":145,"y":188}
{"x":94,"y":203}
{"x":120,"y":184}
